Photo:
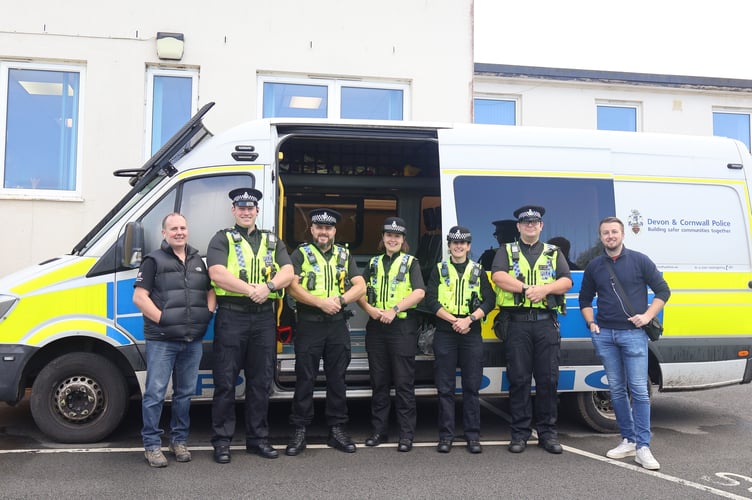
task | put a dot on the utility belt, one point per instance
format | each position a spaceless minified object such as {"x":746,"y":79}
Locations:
{"x":320,"y":318}
{"x":532,"y":315}
{"x":250,"y":307}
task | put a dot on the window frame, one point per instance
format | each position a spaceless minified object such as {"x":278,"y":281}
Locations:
{"x":637,"y":106}
{"x":43,"y":194}
{"x":334,"y":92}
{"x":156,"y":71}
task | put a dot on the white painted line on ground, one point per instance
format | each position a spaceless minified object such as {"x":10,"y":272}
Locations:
{"x":660,"y":475}
{"x":635,"y":468}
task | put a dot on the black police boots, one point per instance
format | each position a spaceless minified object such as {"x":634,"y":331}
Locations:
{"x":340,"y":440}
{"x":297,"y":442}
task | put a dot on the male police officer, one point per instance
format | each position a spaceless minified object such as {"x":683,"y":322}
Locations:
{"x":325,"y":271}
{"x":249,"y":269}
{"x":532,"y":277}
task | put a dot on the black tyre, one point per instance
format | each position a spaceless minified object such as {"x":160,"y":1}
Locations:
{"x":595,"y":410}
{"x":79,"y":398}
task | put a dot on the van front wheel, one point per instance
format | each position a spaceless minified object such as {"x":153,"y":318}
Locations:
{"x":79,"y":398}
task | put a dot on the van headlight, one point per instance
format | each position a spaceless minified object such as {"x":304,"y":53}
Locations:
{"x":6,"y":304}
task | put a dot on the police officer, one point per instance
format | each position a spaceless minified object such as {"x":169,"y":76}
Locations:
{"x":394,"y":288}
{"x":249,"y":268}
{"x":460,"y":295}
{"x":532,"y":278}
{"x":328,"y":281}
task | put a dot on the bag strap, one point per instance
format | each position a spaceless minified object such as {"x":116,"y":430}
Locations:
{"x":617,"y":286}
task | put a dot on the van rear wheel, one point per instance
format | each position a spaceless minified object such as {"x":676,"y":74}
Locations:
{"x":595,"y":410}
{"x":79,"y":398}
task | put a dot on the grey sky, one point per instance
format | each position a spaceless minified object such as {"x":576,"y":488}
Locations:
{"x":648,"y":36}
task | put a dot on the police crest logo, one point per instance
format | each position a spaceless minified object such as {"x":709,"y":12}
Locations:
{"x":634,"y":219}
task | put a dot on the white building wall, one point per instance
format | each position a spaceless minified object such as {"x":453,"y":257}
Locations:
{"x":426,"y":44}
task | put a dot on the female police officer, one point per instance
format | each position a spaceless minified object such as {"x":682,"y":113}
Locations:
{"x":460,"y":294}
{"x":394,"y":287}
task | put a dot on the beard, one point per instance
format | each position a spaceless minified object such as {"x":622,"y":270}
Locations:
{"x":324,"y":244}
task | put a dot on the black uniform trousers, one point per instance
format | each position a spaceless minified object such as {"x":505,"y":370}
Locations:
{"x":391,"y":360}
{"x":451,"y":350}
{"x":247,"y":341}
{"x":533,"y":349}
{"x":313,"y":341}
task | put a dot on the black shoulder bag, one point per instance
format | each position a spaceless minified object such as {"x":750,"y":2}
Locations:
{"x":654,"y":329}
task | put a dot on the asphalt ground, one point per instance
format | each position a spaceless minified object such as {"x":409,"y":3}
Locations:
{"x":700,"y":438}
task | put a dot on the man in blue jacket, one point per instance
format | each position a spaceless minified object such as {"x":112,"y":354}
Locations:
{"x":174,"y":293}
{"x":618,"y":337}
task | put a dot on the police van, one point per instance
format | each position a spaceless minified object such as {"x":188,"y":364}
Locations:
{"x":70,"y":331}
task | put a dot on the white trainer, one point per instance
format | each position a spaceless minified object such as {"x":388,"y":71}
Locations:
{"x":646,"y":459}
{"x":625,"y":449}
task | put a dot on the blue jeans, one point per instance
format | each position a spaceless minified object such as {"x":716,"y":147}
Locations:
{"x":165,"y":358}
{"x":624,"y":354}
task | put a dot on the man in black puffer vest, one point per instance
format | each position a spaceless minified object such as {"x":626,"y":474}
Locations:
{"x":174,"y":293}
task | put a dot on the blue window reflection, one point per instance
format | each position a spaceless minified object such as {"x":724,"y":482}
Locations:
{"x":172,"y":107}
{"x":41,"y":130}
{"x":733,"y":125}
{"x":295,"y":100}
{"x":574,"y":207}
{"x":371,"y":104}
{"x":617,"y":118}
{"x":494,"y":111}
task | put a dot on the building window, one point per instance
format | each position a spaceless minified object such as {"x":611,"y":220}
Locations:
{"x":733,"y":125}
{"x":172,"y":98}
{"x":495,"y":111}
{"x":617,"y":118}
{"x":299,"y":98}
{"x":39,"y":133}
{"x":371,"y":103}
{"x":291,"y":100}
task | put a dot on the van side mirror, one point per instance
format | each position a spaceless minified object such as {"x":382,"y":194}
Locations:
{"x":133,"y":245}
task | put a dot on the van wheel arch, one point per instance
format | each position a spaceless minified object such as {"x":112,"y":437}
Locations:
{"x":79,"y":397}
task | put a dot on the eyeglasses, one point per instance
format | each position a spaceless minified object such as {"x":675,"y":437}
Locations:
{"x":530,"y":222}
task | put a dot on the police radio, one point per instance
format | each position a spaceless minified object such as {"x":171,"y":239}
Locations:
{"x":474,"y":302}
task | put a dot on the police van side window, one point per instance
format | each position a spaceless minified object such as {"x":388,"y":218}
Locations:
{"x":206,"y":207}
{"x":574,"y":207}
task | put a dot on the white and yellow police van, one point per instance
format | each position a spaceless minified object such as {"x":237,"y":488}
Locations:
{"x":70,"y":332}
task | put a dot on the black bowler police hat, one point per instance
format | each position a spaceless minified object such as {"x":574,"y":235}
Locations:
{"x":394,"y":225}
{"x":459,"y":233}
{"x":245,"y":197}
{"x":325,"y":216}
{"x":529,"y":213}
